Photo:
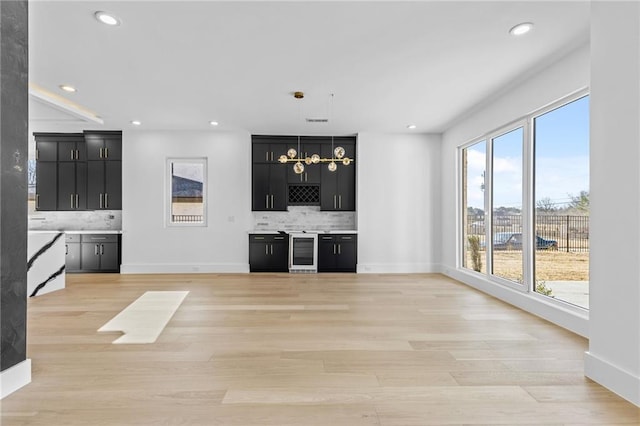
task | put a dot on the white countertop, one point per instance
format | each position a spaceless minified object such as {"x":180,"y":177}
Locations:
{"x":85,"y":231}
{"x":308,"y":231}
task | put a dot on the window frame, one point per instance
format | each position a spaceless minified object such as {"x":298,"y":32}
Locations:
{"x":169,"y":191}
{"x":528,"y":202}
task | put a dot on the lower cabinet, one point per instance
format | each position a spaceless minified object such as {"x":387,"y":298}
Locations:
{"x":72,"y":253}
{"x":93,"y":253}
{"x":337,"y":253}
{"x":268,"y":253}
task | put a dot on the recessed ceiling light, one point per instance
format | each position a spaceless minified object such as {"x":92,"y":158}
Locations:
{"x":136,"y":122}
{"x":107,"y":18}
{"x":68,"y":88}
{"x":411,"y":126}
{"x":521,"y":29}
{"x":214,"y":123}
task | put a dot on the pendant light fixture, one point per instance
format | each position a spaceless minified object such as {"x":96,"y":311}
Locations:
{"x":292,"y":156}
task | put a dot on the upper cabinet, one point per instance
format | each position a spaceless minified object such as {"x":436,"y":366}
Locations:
{"x":106,"y":146}
{"x":276,"y":186}
{"x":338,"y":187}
{"x":76,"y":171}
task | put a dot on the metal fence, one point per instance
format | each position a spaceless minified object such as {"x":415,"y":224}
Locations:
{"x":569,"y":231}
{"x":186,"y":218}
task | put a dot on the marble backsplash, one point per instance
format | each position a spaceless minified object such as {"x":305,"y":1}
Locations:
{"x":304,"y":218}
{"x":99,"y":220}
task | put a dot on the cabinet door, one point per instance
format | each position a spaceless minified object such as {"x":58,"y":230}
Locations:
{"x":46,"y":185}
{"x":66,"y":151}
{"x":326,"y":253}
{"x":72,"y":257}
{"x":66,"y":186}
{"x":113,"y":149}
{"x":258,"y":256}
{"x":81,"y":185}
{"x":278,"y":186}
{"x":260,"y":196}
{"x":346,"y":188}
{"x":95,"y":147}
{"x":95,"y":184}
{"x":279,"y":254}
{"x":113,"y":185}
{"x":46,"y":151}
{"x":261,"y":153}
{"x":90,"y":256}
{"x":347,"y":255}
{"x":109,"y":257}
{"x":328,"y":188}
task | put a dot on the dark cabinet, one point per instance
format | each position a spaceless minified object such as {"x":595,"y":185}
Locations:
{"x":268,"y":253}
{"x":337,"y":253}
{"x":269,"y":187}
{"x":46,"y":150}
{"x":103,"y":145}
{"x":72,"y":185}
{"x":100,"y":253}
{"x":104,"y":185}
{"x":46,"y":185}
{"x":76,"y":171}
{"x":72,"y":253}
{"x":337,"y":188}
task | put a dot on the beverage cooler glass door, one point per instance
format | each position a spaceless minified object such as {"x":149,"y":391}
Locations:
{"x":303,"y":256}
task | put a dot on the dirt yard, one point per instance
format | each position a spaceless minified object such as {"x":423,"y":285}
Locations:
{"x":549,"y":265}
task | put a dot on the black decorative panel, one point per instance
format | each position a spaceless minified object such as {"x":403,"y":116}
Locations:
{"x":304,"y":195}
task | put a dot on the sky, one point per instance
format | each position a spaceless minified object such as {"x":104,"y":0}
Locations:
{"x":561,"y":139}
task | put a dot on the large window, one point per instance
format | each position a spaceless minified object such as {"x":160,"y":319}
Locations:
{"x":561,"y":143}
{"x":506,"y":205}
{"x":187,"y":189}
{"x":525,"y":203}
{"x":474,"y":159}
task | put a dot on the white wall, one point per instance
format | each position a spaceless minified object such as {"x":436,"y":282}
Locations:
{"x":398,"y":203}
{"x":564,"y":77}
{"x":614,"y":340}
{"x":151,"y":247}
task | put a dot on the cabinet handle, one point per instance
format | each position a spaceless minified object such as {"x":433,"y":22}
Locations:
{"x":101,"y":249}
{"x":266,"y":249}
{"x":340,"y":201}
{"x":37,"y":201}
{"x":66,"y":249}
{"x":334,"y":249}
{"x":266,"y":156}
{"x":334,"y":202}
{"x":271,"y":200}
{"x":339,"y":248}
{"x":77,"y":203}
{"x":101,"y":197}
{"x":71,"y":201}
{"x":106,"y":200}
{"x":271,"y":248}
{"x":101,"y":150}
{"x":267,"y":201}
{"x":96,"y":249}
{"x":37,"y":154}
{"x":71,"y":153}
{"x":106,"y":153}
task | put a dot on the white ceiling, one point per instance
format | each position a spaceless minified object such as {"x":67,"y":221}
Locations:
{"x":178,"y":65}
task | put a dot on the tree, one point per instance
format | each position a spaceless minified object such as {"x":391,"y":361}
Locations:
{"x":580,"y":202}
{"x":545,"y":206}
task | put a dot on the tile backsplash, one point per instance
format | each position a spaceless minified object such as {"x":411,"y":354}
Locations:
{"x":304,"y":218}
{"x":99,"y":220}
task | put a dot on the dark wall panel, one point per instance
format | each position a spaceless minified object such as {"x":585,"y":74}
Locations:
{"x":14,"y":117}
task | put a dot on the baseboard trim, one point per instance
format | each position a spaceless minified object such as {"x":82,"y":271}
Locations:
{"x":15,"y":377}
{"x":398,"y":268}
{"x":618,"y":381}
{"x":212,"y":268}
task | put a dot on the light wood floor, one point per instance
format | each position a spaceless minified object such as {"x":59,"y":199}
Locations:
{"x":326,"y":349}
